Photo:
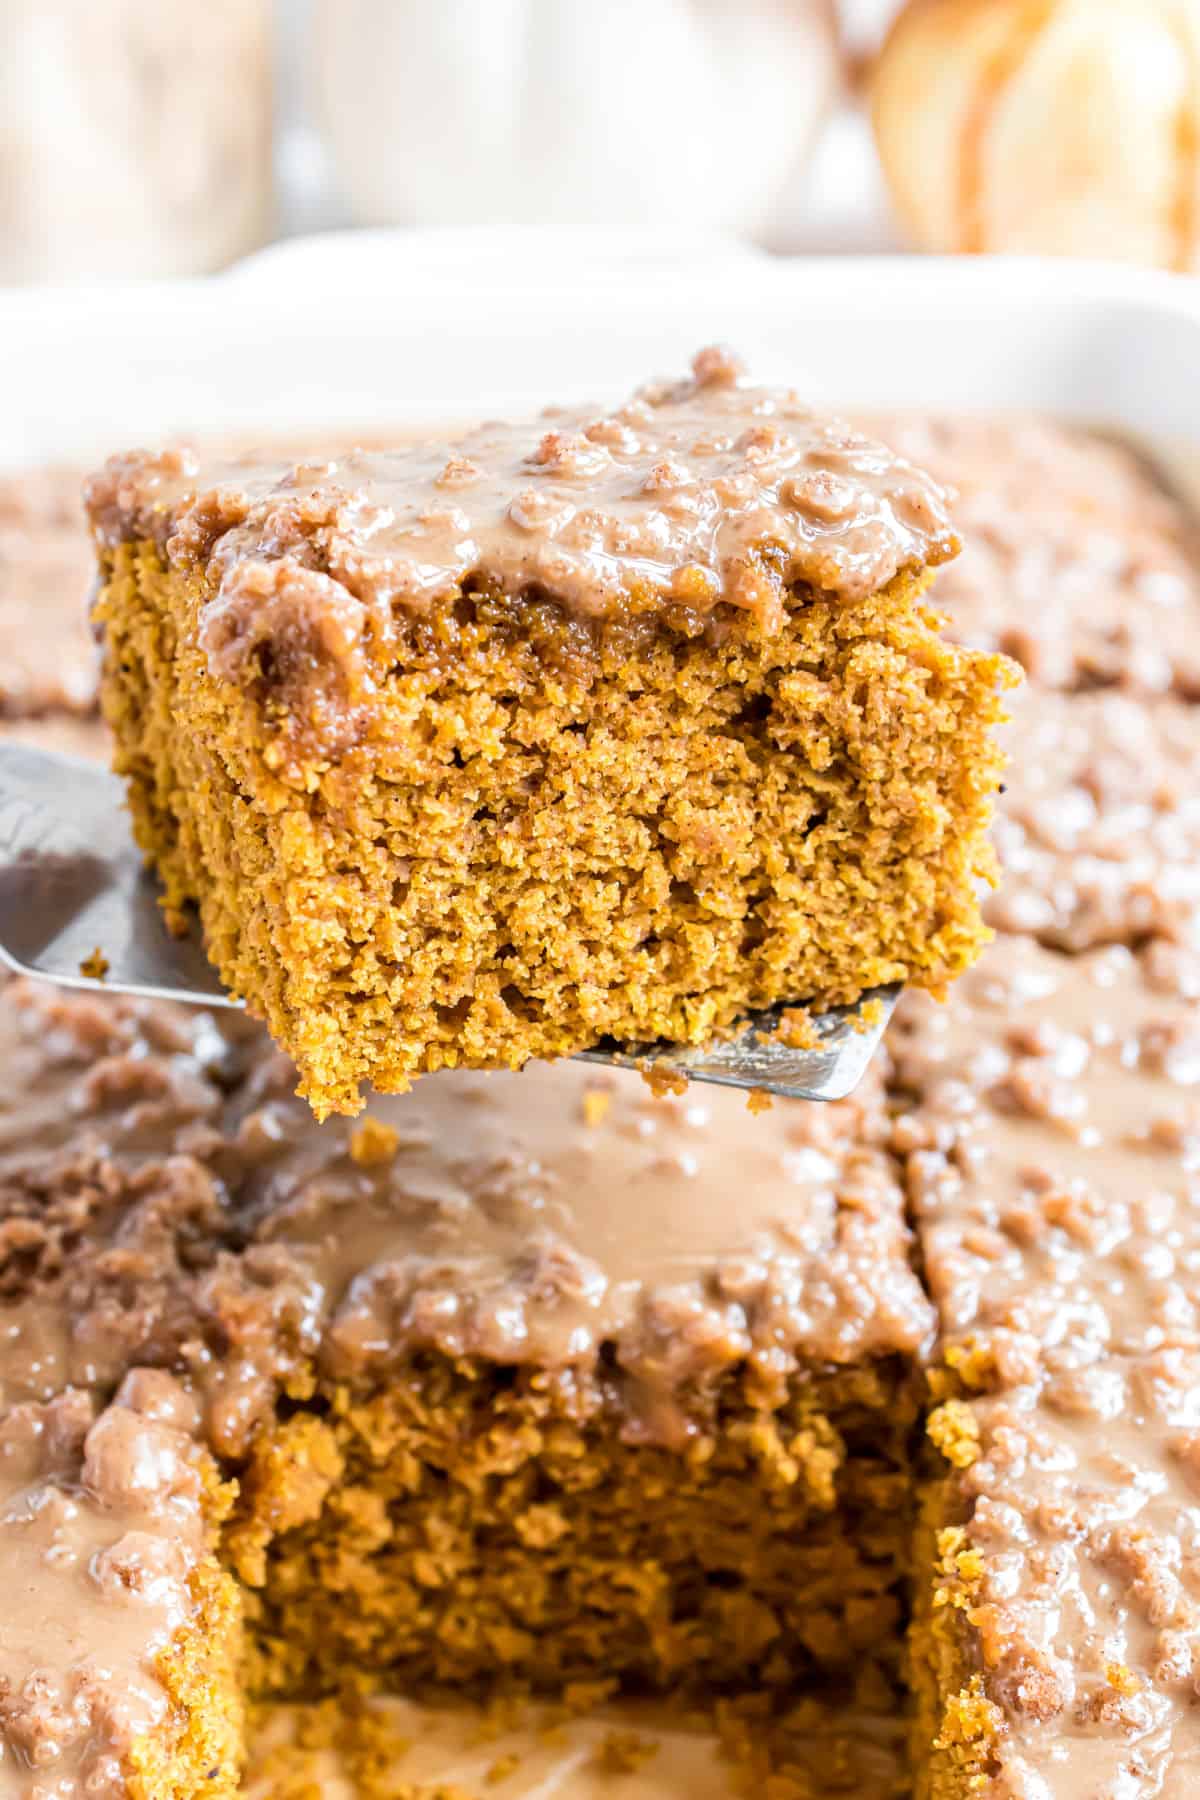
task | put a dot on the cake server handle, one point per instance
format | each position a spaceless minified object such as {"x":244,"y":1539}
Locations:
{"x":76,"y":899}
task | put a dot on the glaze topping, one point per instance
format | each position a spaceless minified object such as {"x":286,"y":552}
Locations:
{"x":695,"y":494}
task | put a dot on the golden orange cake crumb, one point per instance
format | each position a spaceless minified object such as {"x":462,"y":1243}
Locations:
{"x":373,"y":1142}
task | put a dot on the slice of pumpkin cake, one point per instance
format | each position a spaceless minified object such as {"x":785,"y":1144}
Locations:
{"x":612,"y":724}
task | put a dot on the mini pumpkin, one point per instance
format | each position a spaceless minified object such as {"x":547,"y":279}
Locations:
{"x":1059,"y":127}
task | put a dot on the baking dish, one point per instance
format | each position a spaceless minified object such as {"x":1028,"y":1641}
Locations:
{"x":354,"y":333}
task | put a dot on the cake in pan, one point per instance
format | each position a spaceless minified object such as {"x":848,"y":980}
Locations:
{"x":541,"y":1390}
{"x":536,"y":1383}
{"x":495,"y":1391}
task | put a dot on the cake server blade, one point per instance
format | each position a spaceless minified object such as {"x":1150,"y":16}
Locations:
{"x":74,"y":889}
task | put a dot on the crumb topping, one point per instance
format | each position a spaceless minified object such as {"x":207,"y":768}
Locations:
{"x":101,"y":1527}
{"x":1098,"y":832}
{"x":695,"y":494}
{"x":1078,"y":561}
{"x":165,"y":1197}
{"x":1053,"y":1159}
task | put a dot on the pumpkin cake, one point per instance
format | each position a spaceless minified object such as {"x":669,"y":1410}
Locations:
{"x":610,"y":725}
{"x":542,"y":1390}
{"x":1052,"y":1143}
{"x":1078,"y":560}
{"x":1098,"y":832}
{"x":494,"y":1392}
{"x":288,"y":1405}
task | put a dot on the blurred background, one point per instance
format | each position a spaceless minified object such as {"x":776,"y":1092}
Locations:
{"x":139,"y":138}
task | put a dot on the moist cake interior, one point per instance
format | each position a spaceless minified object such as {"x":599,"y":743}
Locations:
{"x":933,"y":1374}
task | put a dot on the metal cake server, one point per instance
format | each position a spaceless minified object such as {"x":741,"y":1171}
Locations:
{"x":72,"y":883}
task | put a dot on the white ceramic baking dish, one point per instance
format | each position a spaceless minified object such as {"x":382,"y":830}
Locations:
{"x":362,"y":333}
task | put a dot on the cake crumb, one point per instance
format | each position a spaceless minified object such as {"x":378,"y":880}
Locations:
{"x":625,"y":1752}
{"x":95,"y":966}
{"x":582,"y":1697}
{"x":869,"y":1014}
{"x":596,"y":1102}
{"x":663,"y":1078}
{"x":1121,"y":1677}
{"x":503,"y":1713}
{"x":954,"y":1430}
{"x":974,"y":1365}
{"x":373,"y":1143}
{"x":758,"y":1100}
{"x":796,"y":1030}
